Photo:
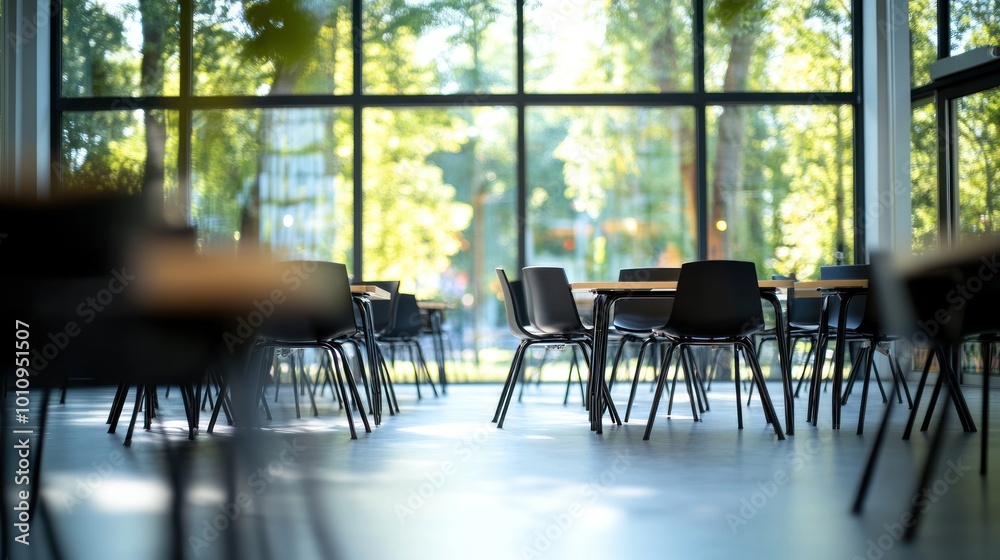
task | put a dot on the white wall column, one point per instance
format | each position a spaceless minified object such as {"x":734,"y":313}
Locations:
{"x":887,"y":126}
{"x":27,"y":42}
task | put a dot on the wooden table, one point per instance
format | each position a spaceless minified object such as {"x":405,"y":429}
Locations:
{"x":607,"y":293}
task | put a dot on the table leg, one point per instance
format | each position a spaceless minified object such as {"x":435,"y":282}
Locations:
{"x":784,"y":361}
{"x":838,"y":358}
{"x":367,"y":326}
{"x":821,"y":339}
{"x":595,"y":382}
{"x":438,"y":338}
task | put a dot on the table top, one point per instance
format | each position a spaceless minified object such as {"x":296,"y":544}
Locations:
{"x":372,"y":292}
{"x":432,"y":305}
{"x":594,"y":286}
{"x":815,"y":288}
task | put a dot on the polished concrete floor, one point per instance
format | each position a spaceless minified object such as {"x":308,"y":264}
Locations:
{"x":439,"y":481}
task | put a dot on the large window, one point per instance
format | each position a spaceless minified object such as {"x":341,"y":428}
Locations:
{"x":955,"y":168}
{"x":432,"y":142}
{"x":978,"y":121}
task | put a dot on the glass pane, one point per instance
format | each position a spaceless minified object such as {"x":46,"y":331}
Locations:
{"x":781,"y":186}
{"x":272,"y":47}
{"x":923,"y":40}
{"x":120,"y":48}
{"x":281,"y":177}
{"x":791,"y":45}
{"x":440,"y":213}
{"x":120,"y":152}
{"x":974,"y":23}
{"x":415,"y":46}
{"x":978,"y":118}
{"x":924,"y":178}
{"x":610,"y":188}
{"x":608,"y":47}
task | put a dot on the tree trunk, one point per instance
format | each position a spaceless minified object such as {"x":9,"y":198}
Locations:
{"x":154,"y":23}
{"x":728,"y":167}
{"x":666,"y":63}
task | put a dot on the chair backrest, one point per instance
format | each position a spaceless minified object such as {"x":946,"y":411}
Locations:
{"x":651,"y":274}
{"x":316,"y":302}
{"x":856,"y":309}
{"x":645,"y":314}
{"x":716,"y":299}
{"x":982,"y":314}
{"x":802,"y":311}
{"x":515,"y":306}
{"x":406,"y":323}
{"x":551,"y":307}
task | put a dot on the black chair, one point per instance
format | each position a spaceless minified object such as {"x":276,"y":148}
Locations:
{"x":717,"y":303}
{"x":924,"y":303}
{"x":68,"y":279}
{"x":855,"y":314}
{"x":403,"y":332}
{"x":864,"y":328}
{"x":318,"y":314}
{"x":552,"y":310}
{"x":516,"y":309}
{"x":636,"y":320}
{"x":802,"y":322}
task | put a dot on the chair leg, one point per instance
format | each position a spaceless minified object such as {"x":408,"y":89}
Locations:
{"x":424,"y":368}
{"x":618,"y":356}
{"x":390,"y":389}
{"x":699,"y":383}
{"x":755,"y":383}
{"x":673,"y":389}
{"x":695,"y":406}
{"x":635,"y":378}
{"x":920,"y":392}
{"x":135,"y":414}
{"x":873,"y":455}
{"x":509,"y":382}
{"x":659,"y":392}
{"x":869,"y":357}
{"x":932,"y":457}
{"x":765,"y":396}
{"x":805,"y":367}
{"x":343,"y":397}
{"x":353,"y":386}
{"x":897,"y":375}
{"x":986,"y":349}
{"x":573,"y":364}
{"x":305,"y":383}
{"x":515,"y":372}
{"x":737,"y":381}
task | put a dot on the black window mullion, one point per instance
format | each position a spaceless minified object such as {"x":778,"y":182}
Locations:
{"x":521,"y":146}
{"x":857,"y":56}
{"x":55,"y":97}
{"x":357,"y":39}
{"x":701,"y":132}
{"x":185,"y":118}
